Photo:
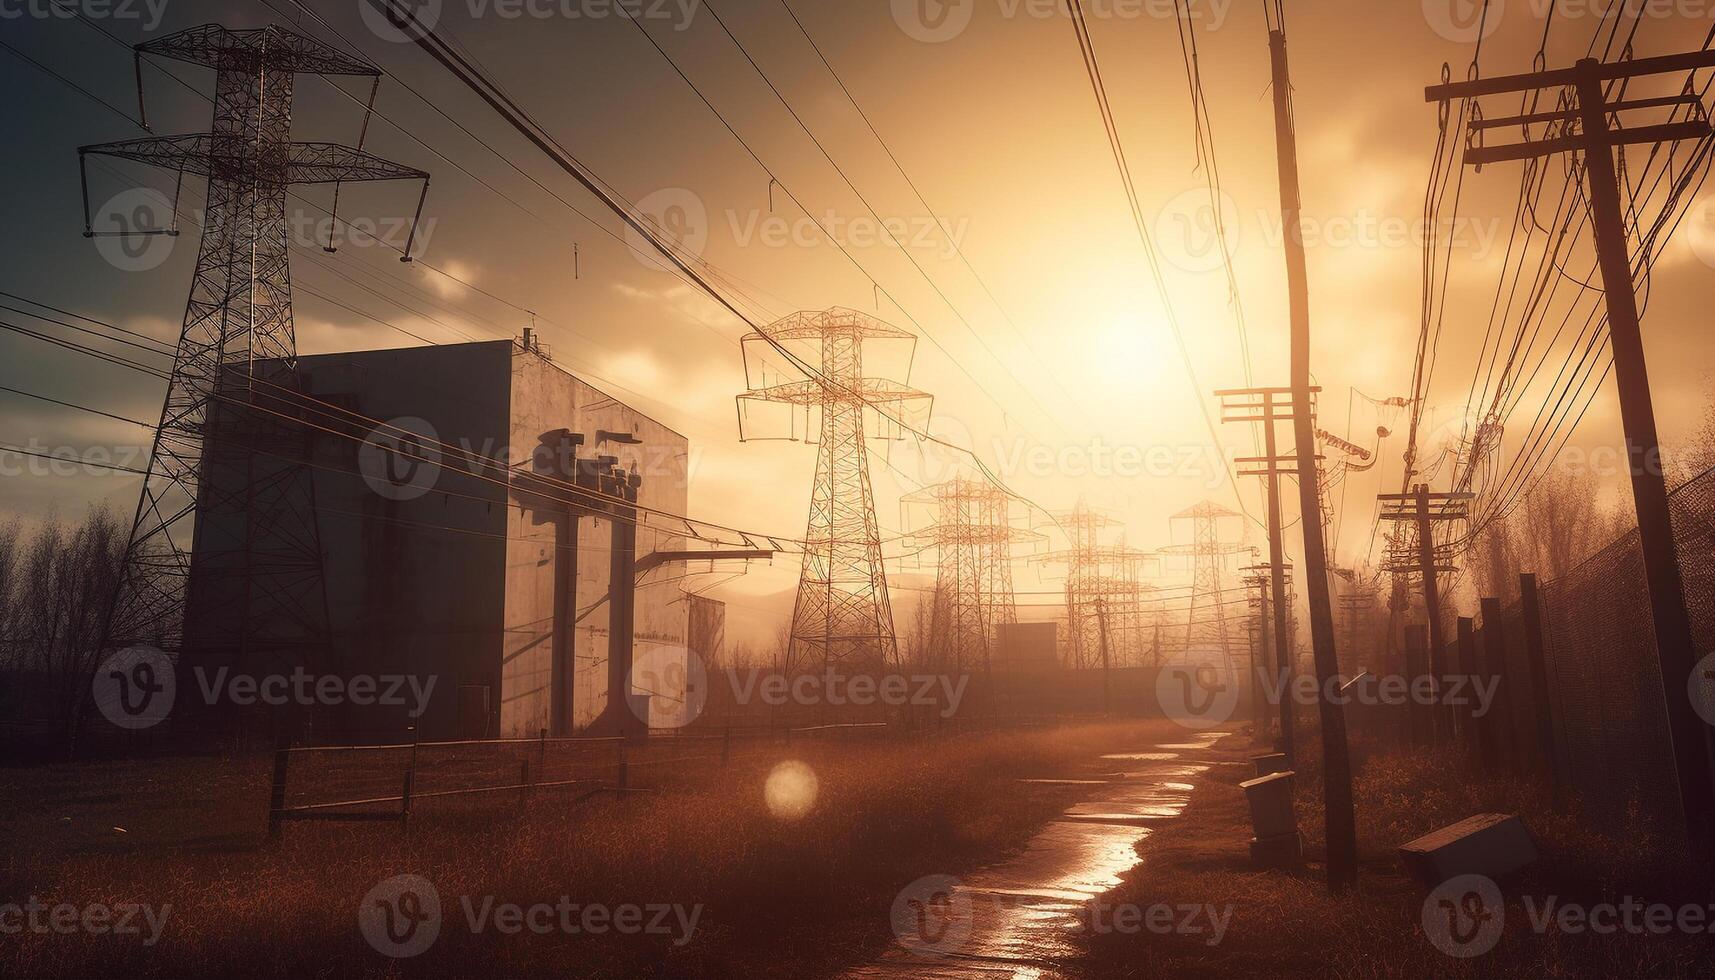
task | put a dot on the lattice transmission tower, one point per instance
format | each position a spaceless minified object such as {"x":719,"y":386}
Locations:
{"x":842,"y":616}
{"x":223,"y":550}
{"x":974,"y":539}
{"x":1208,"y":627}
{"x":1104,"y":580}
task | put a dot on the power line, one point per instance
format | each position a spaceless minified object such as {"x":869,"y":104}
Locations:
{"x":1093,"y":70}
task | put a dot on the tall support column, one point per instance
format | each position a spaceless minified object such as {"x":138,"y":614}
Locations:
{"x":1342,"y":839}
{"x":1674,"y":645}
{"x":1595,"y":138}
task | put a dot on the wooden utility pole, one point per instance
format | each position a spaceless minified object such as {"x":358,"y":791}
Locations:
{"x":1262,"y":578}
{"x":1102,"y":626}
{"x":1341,"y":825}
{"x":1424,"y":510}
{"x":1269,"y":406}
{"x":1595,"y":140}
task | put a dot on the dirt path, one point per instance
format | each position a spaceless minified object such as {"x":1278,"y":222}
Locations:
{"x":1019,"y":917}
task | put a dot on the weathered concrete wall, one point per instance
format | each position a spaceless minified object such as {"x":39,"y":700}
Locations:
{"x":440,"y":572}
{"x":545,"y":398}
{"x":413,"y":570}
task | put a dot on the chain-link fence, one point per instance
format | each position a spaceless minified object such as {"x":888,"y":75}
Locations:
{"x":1610,"y":713}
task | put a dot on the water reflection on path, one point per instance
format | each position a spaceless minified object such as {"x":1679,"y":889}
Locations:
{"x":1019,"y":917}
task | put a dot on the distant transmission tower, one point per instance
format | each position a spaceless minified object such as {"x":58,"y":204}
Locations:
{"x":973,"y":537}
{"x":1103,"y":579}
{"x":228,"y":457}
{"x":842,"y":616}
{"x":1206,"y":623}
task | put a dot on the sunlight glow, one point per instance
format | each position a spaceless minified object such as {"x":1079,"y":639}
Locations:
{"x":791,"y":790}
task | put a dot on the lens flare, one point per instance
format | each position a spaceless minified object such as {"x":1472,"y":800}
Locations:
{"x":791,"y":790}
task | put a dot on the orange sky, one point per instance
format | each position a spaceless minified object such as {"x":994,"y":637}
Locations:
{"x":1068,"y":381}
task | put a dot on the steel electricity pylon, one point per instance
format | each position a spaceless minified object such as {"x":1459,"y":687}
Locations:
{"x":1105,"y":591}
{"x":1206,"y":622}
{"x":228,"y":461}
{"x":842,"y":616}
{"x":974,"y":539}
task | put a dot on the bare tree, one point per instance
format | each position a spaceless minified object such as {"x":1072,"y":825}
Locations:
{"x":57,"y":587}
{"x":1563,"y":525}
{"x":9,"y":539}
{"x":1493,"y":561}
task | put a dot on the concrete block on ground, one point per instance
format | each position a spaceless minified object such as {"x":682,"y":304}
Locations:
{"x":1489,"y":844}
{"x":1270,"y":798}
{"x":1277,"y":852}
{"x":1270,"y":763}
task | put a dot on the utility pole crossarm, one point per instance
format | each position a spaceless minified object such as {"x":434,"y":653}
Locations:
{"x":320,"y":163}
{"x":1567,"y":76}
{"x":201,"y":155}
{"x":1666,"y":132}
{"x":657,"y":558}
{"x":214,"y":46}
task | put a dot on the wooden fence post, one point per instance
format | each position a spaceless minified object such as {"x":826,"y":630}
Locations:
{"x":1416,"y":713}
{"x":277,"y":789}
{"x":1541,"y":698}
{"x":1500,"y":719}
{"x":410,"y":779}
{"x":1465,"y":666}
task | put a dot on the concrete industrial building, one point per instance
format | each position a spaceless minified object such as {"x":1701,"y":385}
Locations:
{"x":438,"y":567}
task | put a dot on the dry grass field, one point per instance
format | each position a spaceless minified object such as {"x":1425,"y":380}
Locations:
{"x":775,"y":897}
{"x":1288,"y":925}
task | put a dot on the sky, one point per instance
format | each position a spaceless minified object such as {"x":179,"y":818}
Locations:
{"x":1048,"y":348}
